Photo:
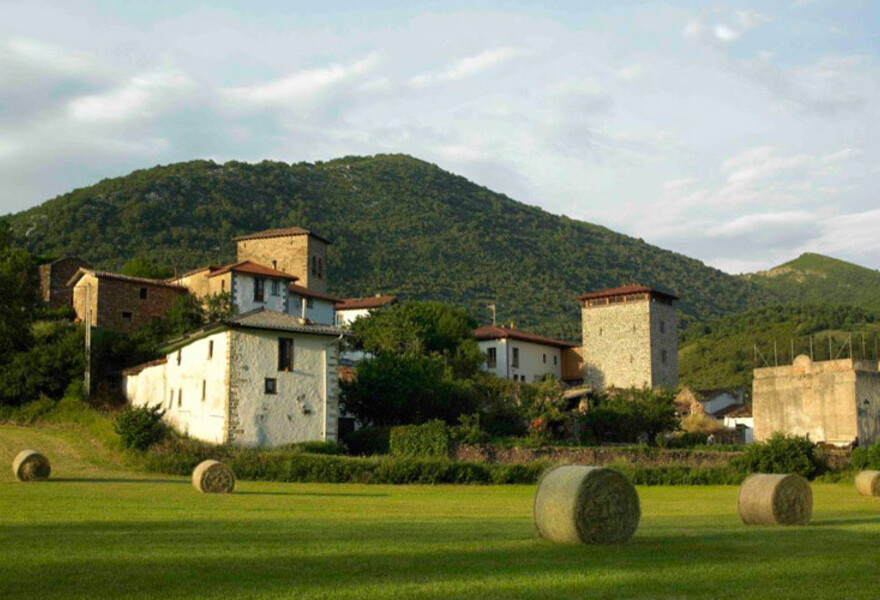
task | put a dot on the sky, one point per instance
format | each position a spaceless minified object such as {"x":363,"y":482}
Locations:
{"x":739,"y":133}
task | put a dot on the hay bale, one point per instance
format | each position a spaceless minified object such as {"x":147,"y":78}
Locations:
{"x":775,"y":500}
{"x":586,"y":505}
{"x":30,"y":465}
{"x":213,"y":477}
{"x":868,"y":483}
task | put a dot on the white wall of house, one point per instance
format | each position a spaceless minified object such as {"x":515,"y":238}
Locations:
{"x":305,"y":407}
{"x":317,"y":310}
{"x":535,"y":360}
{"x":347,"y":317}
{"x":243,"y":293}
{"x":194,"y":393}
{"x":747,"y":422}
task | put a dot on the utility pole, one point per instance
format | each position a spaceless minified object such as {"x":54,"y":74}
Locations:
{"x":87,"y":376}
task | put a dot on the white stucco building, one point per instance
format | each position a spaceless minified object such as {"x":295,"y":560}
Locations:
{"x":518,"y":355}
{"x":351,"y":309}
{"x":315,"y":306}
{"x":262,"y":378}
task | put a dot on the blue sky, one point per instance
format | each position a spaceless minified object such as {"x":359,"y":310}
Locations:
{"x":741,"y":134}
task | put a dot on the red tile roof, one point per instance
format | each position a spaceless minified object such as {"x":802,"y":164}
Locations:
{"x":365,"y":302}
{"x":495,"y":332}
{"x":127,"y":278}
{"x":304,"y":291}
{"x":281,"y":232}
{"x":252,"y":268}
{"x":625,"y":291}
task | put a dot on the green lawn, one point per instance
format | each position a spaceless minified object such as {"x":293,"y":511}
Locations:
{"x":99,"y":531}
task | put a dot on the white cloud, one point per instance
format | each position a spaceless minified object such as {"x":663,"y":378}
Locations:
{"x":48,"y":56}
{"x":298,"y":87}
{"x":725,"y":33}
{"x":466,"y":67}
{"x":141,"y":97}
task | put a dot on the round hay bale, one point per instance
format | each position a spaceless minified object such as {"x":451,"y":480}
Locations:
{"x":766,"y":499}
{"x":213,"y":477}
{"x":868,"y":483}
{"x":586,"y":505}
{"x":30,"y":465}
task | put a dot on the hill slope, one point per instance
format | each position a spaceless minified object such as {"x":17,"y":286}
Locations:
{"x":814,"y":278}
{"x":399,"y":225}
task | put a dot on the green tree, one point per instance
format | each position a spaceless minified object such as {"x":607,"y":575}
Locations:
{"x":18,"y":292}
{"x":144,"y":267}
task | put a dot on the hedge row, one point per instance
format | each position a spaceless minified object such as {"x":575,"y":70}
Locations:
{"x":429,"y":440}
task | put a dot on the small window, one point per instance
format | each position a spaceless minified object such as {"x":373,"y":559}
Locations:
{"x":270,"y":386}
{"x":662,"y":326}
{"x":126,"y":316}
{"x":275,"y":264}
{"x":310,"y":303}
{"x":663,"y":356}
{"x":634,"y":328}
{"x":222,"y":285}
{"x":143,"y":293}
{"x":204,"y":389}
{"x":600,"y":331}
{"x":492,"y":357}
{"x":285,"y":354}
{"x":314,"y":265}
{"x":210,"y":348}
{"x":179,"y":397}
{"x":554,"y":360}
{"x":179,"y":356}
{"x":275,"y":287}
{"x":171,"y":400}
{"x":320,"y":268}
{"x":515,"y":363}
{"x":522,"y":378}
{"x":545,"y":359}
{"x":259,"y":290}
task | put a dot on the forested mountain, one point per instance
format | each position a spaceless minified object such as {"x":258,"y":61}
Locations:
{"x":814,"y":278}
{"x":721,"y":353}
{"x":399,"y":225}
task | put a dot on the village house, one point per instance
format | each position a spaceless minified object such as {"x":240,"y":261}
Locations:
{"x":519,"y":355}
{"x":53,"y":289}
{"x":262,"y":378}
{"x":835,"y":401}
{"x":726,"y":407}
{"x":630,"y":338}
{"x":351,"y":309}
{"x":119,"y":302}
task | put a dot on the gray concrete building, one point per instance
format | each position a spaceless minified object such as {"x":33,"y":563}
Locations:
{"x":630,"y":338}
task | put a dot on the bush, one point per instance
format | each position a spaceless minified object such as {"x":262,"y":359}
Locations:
{"x":316,"y":447}
{"x":141,"y":427}
{"x":681,"y":475}
{"x":368,"y":441}
{"x":686,"y":439}
{"x":628,"y":416}
{"x":783,"y":454}
{"x":27,"y":414}
{"x":431,"y":439}
{"x":866,"y":458}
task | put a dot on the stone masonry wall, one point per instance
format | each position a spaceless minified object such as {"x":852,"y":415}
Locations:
{"x":291,"y":254}
{"x":617,"y":344}
{"x":664,"y":345}
{"x":114,"y":297}
{"x":54,"y":291}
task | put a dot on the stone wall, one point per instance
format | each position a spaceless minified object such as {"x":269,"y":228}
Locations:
{"x":664,"y":345}
{"x":833,"y":402}
{"x":112,"y":298}
{"x":617,"y":344}
{"x":54,"y":291}
{"x":293,"y":254}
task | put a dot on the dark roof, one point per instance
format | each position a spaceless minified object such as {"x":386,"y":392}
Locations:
{"x":127,"y":278}
{"x":495,"y":332}
{"x":365,"y":302}
{"x":734,"y":410}
{"x":304,"y":291}
{"x":281,"y":232}
{"x":137,"y":369}
{"x":262,"y":318}
{"x":252,"y":268}
{"x":626,"y":291}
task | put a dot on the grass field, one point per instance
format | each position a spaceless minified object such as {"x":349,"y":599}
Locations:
{"x":97,"y":530}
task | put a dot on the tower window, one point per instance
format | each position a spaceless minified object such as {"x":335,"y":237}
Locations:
{"x":143,"y":293}
{"x":662,"y":326}
{"x":314,"y":265}
{"x":320,"y":268}
{"x":663,"y":356}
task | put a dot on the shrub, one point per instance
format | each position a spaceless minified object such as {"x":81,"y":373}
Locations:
{"x":141,"y":427}
{"x":430,"y":439}
{"x":368,"y":441}
{"x":681,"y":475}
{"x":628,"y":416}
{"x":866,"y":458}
{"x":468,"y":430}
{"x":783,"y":454}
{"x":316,"y":447}
{"x":686,"y":439}
{"x":28,"y":414}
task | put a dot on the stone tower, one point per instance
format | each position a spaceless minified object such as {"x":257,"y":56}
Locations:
{"x":630,"y":338}
{"x":292,"y":250}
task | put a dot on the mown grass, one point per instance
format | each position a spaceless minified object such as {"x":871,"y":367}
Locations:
{"x":98,"y":530}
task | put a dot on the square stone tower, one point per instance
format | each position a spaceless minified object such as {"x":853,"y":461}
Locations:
{"x":630,"y":338}
{"x":293,"y":250}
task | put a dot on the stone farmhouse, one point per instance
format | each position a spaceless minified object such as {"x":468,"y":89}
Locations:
{"x":120,"y":302}
{"x":835,"y":402}
{"x":53,"y":276}
{"x":262,"y":378}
